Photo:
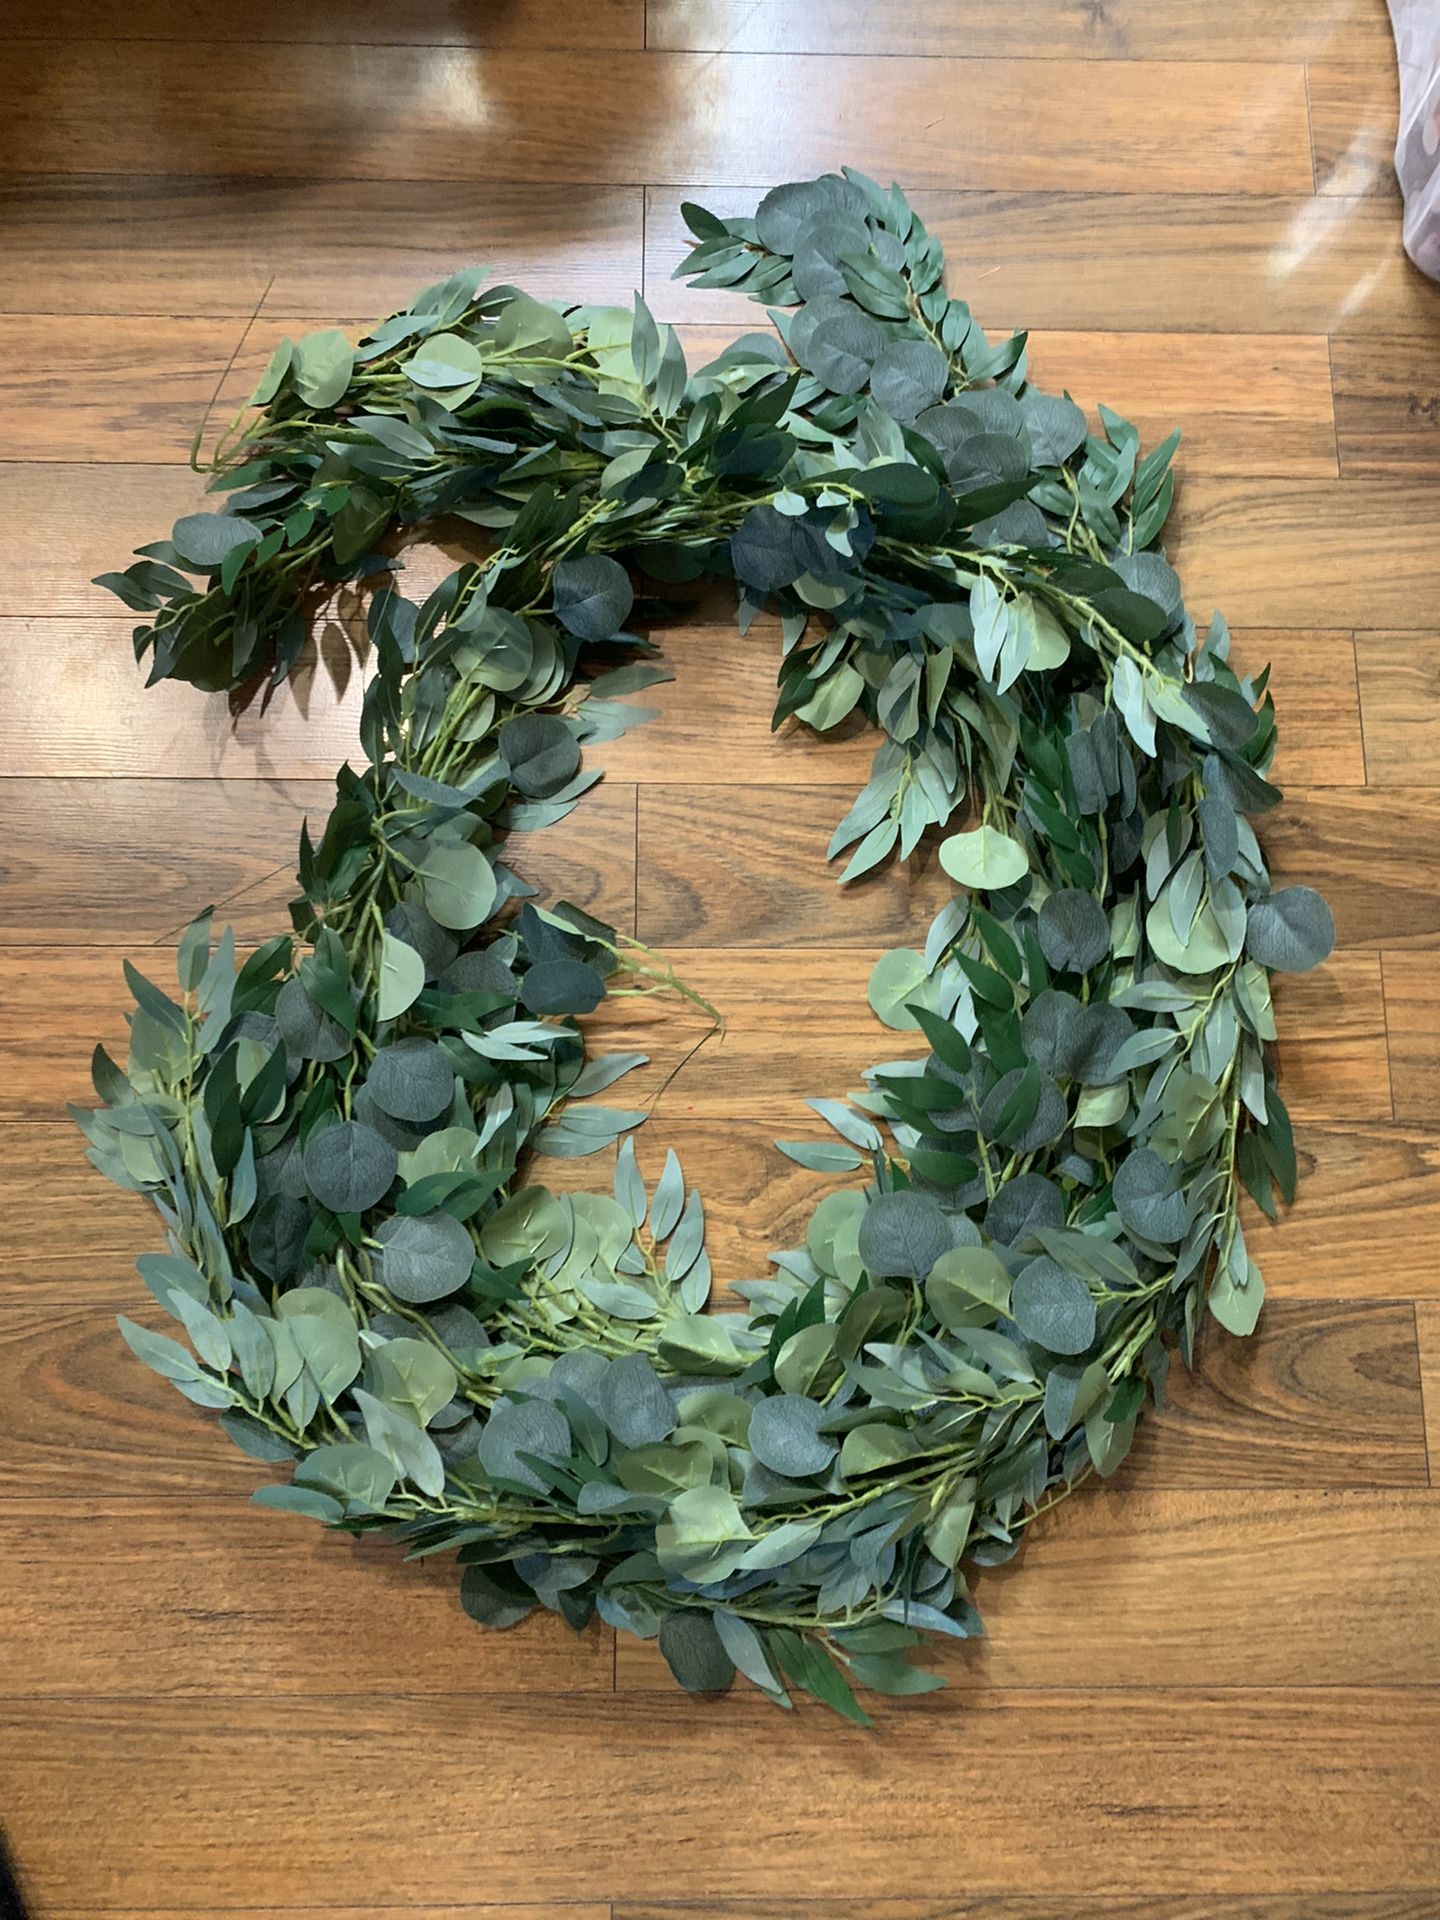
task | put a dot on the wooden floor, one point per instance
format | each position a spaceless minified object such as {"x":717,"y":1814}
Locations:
{"x":1211,"y":1692}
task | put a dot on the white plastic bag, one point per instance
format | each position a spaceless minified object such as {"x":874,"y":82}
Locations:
{"x":1416,"y":25}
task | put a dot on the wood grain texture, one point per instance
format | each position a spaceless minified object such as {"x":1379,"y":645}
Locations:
{"x":79,"y":708}
{"x":1021,"y":1906}
{"x":1223,"y":1670}
{"x":133,"y":861}
{"x":123,"y":388}
{"x":1159,"y":1590}
{"x":1369,"y":851}
{"x":1399,"y":680}
{"x":1302,"y":553}
{"x":1354,"y":111}
{"x":428,"y":23}
{"x":1120,"y":30}
{"x":1365,"y":1224}
{"x":1427,"y":1328}
{"x":1387,"y":403}
{"x":1412,"y":1018}
{"x":1313,"y":1790}
{"x":253,"y":1604}
{"x":626,"y":118}
{"x":201,"y":245}
{"x":1162,"y":1590}
{"x":1134,"y":260}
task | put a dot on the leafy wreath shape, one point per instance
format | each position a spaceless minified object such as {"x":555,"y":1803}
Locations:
{"x":334,"y":1141}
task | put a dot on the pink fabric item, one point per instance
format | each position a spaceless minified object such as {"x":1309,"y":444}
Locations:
{"x":1416,"y":25}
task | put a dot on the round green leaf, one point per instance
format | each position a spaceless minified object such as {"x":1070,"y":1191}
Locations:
{"x":349,"y":1167}
{"x":1290,"y":931}
{"x":1149,"y":1197}
{"x":426,"y":1256}
{"x":984,"y":858}
{"x":1053,"y":1307}
{"x":1074,"y":931}
{"x":592,"y":596}
{"x":897,"y":978}
{"x":412,"y":1080}
{"x":902,"y":1236}
{"x":785,"y":1436}
{"x":459,"y":885}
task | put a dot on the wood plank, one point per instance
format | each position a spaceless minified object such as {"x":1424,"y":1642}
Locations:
{"x":1021,"y":29}
{"x":1366,"y":1217}
{"x":1245,"y":403}
{"x":118,"y":862}
{"x":1314,"y":1790}
{"x":1399,"y":678}
{"x":1022,"y":1906}
{"x":1237,"y":263}
{"x":70,"y":521}
{"x":1333,"y":1063}
{"x":1427,"y":1328}
{"x":1303,"y":553}
{"x":1354,"y":114}
{"x":347,"y":23}
{"x":1164,"y":1590}
{"x":612,"y":117}
{"x":79,"y":709}
{"x":719,"y":866}
{"x":200,"y":245}
{"x":1387,"y":403}
{"x":121,"y":388}
{"x":1317,"y":709}
{"x":1291,"y":1408}
{"x":1412,"y":1017}
{"x":131,"y":861}
{"x":793,"y":1030}
{"x":548,"y":1910}
{"x":1367,"y":851}
{"x":253,"y":1604}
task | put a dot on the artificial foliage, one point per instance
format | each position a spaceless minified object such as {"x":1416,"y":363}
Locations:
{"x":1037,"y":1196}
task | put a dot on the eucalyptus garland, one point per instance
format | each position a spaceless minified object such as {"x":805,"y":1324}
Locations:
{"x":1047,"y":1177}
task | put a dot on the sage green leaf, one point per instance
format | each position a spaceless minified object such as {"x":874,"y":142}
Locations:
{"x":703,"y":1535}
{"x":1053,"y":1307}
{"x":407,"y":1447}
{"x":592,"y":596}
{"x":426,"y":1256}
{"x":349,"y":1167}
{"x":357,"y":1474}
{"x":694,"y":1651}
{"x":1074,"y":931}
{"x":485,"y":1599}
{"x":532,"y":1428}
{"x":459,"y":885}
{"x":202,"y":540}
{"x":1150,"y":1198}
{"x":785,"y":1436}
{"x":411,"y":1079}
{"x":402,"y":977}
{"x":321,"y":366}
{"x":984,"y":857}
{"x":902,"y":1235}
{"x":1290,"y":931}
{"x":895,"y":980}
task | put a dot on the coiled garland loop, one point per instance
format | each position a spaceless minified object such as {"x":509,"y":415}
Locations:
{"x":1046,"y":1179}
